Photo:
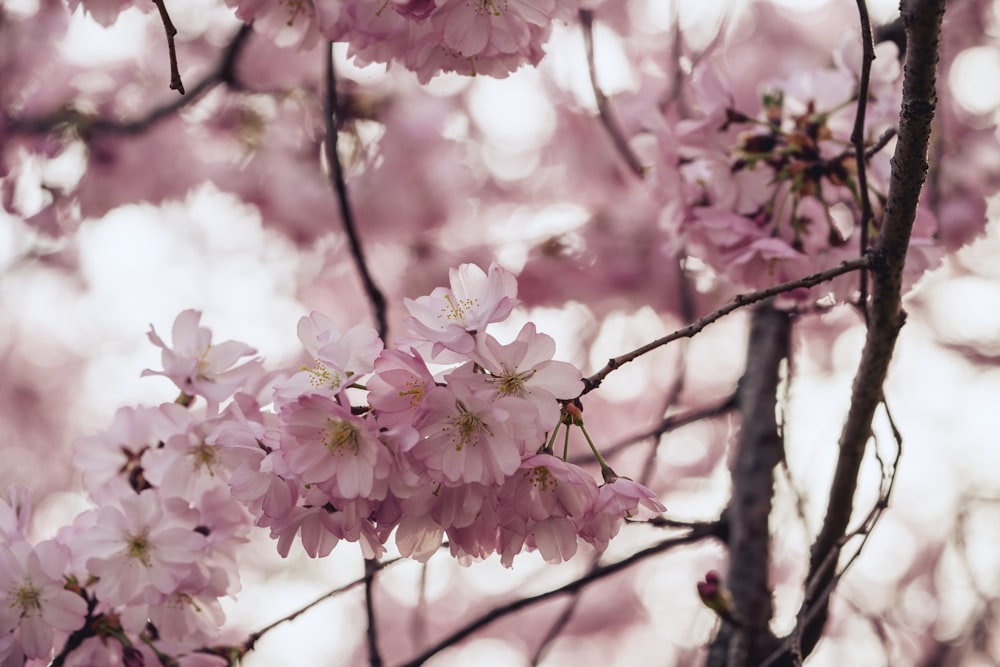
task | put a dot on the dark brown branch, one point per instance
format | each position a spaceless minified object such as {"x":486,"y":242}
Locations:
{"x":374,"y":656}
{"x":224,"y":72}
{"x":603,"y":107}
{"x":495,"y":614}
{"x":922,"y":20}
{"x":739,"y":301}
{"x":755,"y":456}
{"x":171,"y":31}
{"x":858,"y":140}
{"x":333,"y":120}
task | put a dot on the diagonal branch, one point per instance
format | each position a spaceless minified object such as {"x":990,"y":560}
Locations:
{"x":696,"y":534}
{"x":922,"y":21}
{"x":603,"y":108}
{"x":333,"y":120}
{"x":739,"y":301}
{"x":224,"y":72}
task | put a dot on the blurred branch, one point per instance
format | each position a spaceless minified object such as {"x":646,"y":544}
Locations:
{"x":224,"y":72}
{"x":753,"y":460}
{"x":374,"y":656}
{"x":562,"y":620}
{"x":922,"y":20}
{"x":792,"y":650}
{"x":333,"y":120}
{"x":739,"y":301}
{"x":858,"y":140}
{"x":603,"y":108}
{"x":254,"y":637}
{"x":666,"y":425}
{"x":171,"y":31}
{"x":697,"y":534}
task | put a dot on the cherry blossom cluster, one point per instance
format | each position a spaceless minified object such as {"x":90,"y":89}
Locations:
{"x":361,"y":443}
{"x":771,"y":189}
{"x":493,"y":37}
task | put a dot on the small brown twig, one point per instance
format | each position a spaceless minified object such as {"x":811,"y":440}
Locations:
{"x":603,"y":108}
{"x":168,"y":27}
{"x":739,"y":301}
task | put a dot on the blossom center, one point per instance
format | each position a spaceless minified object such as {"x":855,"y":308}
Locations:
{"x":465,"y":427}
{"x":415,"y":390}
{"x":138,"y":547}
{"x":205,"y":455}
{"x":321,"y":377}
{"x":494,"y":7}
{"x":458,"y":310}
{"x":341,"y":436}
{"x":28,"y":598}
{"x":512,"y":383}
{"x":543,"y":478}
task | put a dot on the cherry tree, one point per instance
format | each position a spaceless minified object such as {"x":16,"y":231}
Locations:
{"x":563,"y":290}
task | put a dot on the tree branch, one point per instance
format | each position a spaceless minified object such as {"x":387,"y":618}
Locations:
{"x":171,"y":31}
{"x":333,"y":120}
{"x":858,"y":139}
{"x":254,"y":637}
{"x":739,"y":301}
{"x":922,"y":21}
{"x":603,"y":108}
{"x":698,"y":533}
{"x":224,"y":72}
{"x":757,"y":453}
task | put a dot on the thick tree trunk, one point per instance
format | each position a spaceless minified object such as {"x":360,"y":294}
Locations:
{"x":745,"y":639}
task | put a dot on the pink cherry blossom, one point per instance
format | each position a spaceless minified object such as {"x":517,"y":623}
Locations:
{"x":469,"y":438}
{"x":399,"y":386}
{"x":338,"y":359}
{"x":33,"y":597}
{"x":324,"y":444}
{"x":617,"y":500}
{"x":449,"y":316}
{"x":112,"y":458}
{"x":525,"y":369}
{"x":198,"y":367}
{"x":322,"y":525}
{"x":139,"y":549}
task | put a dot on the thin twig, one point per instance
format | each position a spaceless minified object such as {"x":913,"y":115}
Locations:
{"x":666,"y":425}
{"x":224,"y":72}
{"x":562,"y":620}
{"x":880,"y":143}
{"x":858,"y":139}
{"x":603,"y":108}
{"x":168,"y":27}
{"x":739,"y":301}
{"x":254,"y":637}
{"x":791,"y":647}
{"x":502,"y":611}
{"x":333,"y":120}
